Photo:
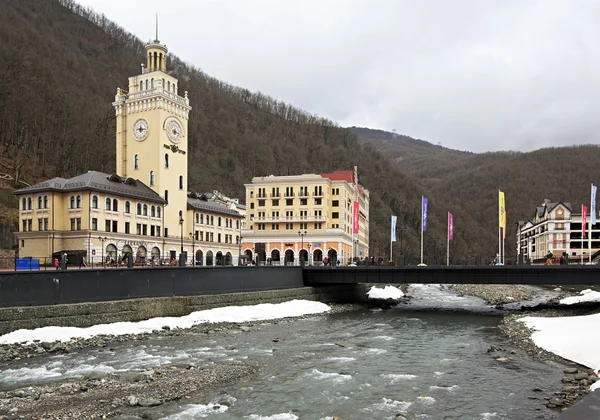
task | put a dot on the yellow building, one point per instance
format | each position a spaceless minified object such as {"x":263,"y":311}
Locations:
{"x":146,"y":210}
{"x":307,"y":216}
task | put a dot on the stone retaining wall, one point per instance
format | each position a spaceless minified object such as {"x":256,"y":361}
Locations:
{"x":87,"y":314}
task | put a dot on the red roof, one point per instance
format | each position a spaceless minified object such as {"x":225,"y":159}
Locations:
{"x":347,"y":175}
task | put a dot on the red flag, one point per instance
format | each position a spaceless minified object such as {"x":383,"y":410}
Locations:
{"x":355,"y":218}
{"x":583,"y":219}
{"x":450,"y":226}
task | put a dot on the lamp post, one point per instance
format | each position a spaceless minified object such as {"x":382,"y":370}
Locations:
{"x":102,"y":239}
{"x":302,"y":247}
{"x":181,"y":225}
{"x":309,"y":254}
{"x":355,"y":248}
{"x":193,"y":236}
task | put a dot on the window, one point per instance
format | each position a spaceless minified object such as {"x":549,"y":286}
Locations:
{"x":138,"y":229}
{"x":197,"y":218}
{"x":107,"y":225}
{"x":167,"y":160}
{"x":168,"y":85}
{"x":144,"y":230}
{"x":181,"y":182}
{"x":78,"y":223}
{"x":24,"y":204}
{"x":94,"y":224}
{"x":304,"y":226}
{"x":95,"y":202}
{"x":303,"y":201}
{"x":29,"y":203}
{"x":274,"y":226}
{"x":261,"y":226}
{"x":317,"y":201}
{"x":201,"y":236}
{"x":127,"y":207}
{"x":166,"y":232}
{"x":167,"y":197}
{"x":158,"y":213}
{"x":146,"y":84}
{"x":127,"y":227}
{"x":219,"y":238}
{"x":318,"y":226}
{"x":219,"y":222}
{"x":157,"y":230}
{"x":107,"y":204}
{"x":275,"y":203}
{"x":152,"y":230}
{"x":46,"y":202}
{"x":141,"y":86}
{"x":24,"y":225}
{"x":115,"y":226}
{"x":78,"y":202}
{"x":115,"y":205}
{"x":40,"y":203}
{"x":335,"y":203}
{"x":261,"y":203}
{"x":136,"y":162}
{"x":335,"y":215}
{"x":289,"y":202}
{"x":145,"y":212}
{"x":73,"y":224}
{"x":139,"y":209}
{"x":212,"y":220}
{"x":46,"y":223}
{"x":251,"y":205}
{"x":152,"y":212}
{"x":202,"y":219}
{"x":152,"y":83}
{"x":151,"y":178}
{"x":40,"y":224}
{"x":72,"y":202}
{"x":237,"y":224}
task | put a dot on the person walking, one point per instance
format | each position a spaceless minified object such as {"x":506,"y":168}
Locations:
{"x":56,"y":263}
{"x":82,"y":262}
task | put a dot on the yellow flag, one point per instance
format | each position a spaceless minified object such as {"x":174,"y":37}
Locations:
{"x":502,"y":212}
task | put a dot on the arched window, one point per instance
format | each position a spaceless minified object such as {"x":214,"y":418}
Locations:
{"x":78,"y":201}
{"x":151,"y":177}
{"x":146,"y":84}
{"x":167,"y":196}
{"x":107,"y":206}
{"x":167,"y":160}
{"x":95,"y":202}
{"x":145,"y":210}
{"x":212,"y":220}
{"x":40,"y":202}
{"x":163,"y":85}
{"x":158,"y":212}
{"x":197,"y":218}
{"x":237,"y":224}
{"x":153,"y":211}
{"x":168,"y":86}
{"x":72,"y":202}
{"x":219,"y":221}
{"x":201,"y":219}
{"x":181,"y":182}
{"x":24,"y":204}
{"x":141,"y":86}
{"x":29,"y":201}
{"x":127,"y":207}
{"x":139,"y":209}
{"x":173,"y":87}
{"x":115,"y":205}
{"x":152,"y":83}
{"x":45,"y":201}
{"x":180,"y":214}
{"x":136,"y":162}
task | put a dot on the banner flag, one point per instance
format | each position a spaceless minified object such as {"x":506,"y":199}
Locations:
{"x":394,"y":228}
{"x":450,"y":226}
{"x":593,"y":206}
{"x":502,"y":210}
{"x":424,"y":215}
{"x":583,"y":219}
{"x":355,"y":218}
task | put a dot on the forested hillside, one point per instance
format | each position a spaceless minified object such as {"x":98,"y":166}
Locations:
{"x":467,"y":184}
{"x":60,"y":65}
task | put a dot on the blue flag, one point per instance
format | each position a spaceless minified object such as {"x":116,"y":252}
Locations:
{"x":424,"y":216}
{"x":394,"y":228}
{"x":593,"y":206}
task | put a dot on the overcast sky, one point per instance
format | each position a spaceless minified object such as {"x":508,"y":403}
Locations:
{"x":477,"y":75}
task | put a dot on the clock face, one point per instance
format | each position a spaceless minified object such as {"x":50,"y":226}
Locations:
{"x":140,"y":129}
{"x":174,"y":130}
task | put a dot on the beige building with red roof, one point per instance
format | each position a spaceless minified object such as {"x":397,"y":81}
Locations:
{"x":317,"y":217}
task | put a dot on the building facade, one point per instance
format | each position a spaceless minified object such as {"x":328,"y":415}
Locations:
{"x":307,"y":216}
{"x":557,"y":228}
{"x":145,"y":209}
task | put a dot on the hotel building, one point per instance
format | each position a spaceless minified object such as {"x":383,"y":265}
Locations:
{"x":557,"y":228}
{"x":307,"y":216}
{"x":145,"y":210}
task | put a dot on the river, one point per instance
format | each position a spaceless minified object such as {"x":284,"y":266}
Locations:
{"x":415,"y":362}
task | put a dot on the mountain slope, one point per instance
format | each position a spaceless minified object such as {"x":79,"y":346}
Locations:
{"x":61,"y":64}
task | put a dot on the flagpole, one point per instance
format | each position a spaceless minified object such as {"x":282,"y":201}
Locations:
{"x":448,"y":241}
{"x":391,"y":240}
{"x":421,"y":229}
{"x":499,"y":229}
{"x":582,"y":230}
{"x":590,"y":229}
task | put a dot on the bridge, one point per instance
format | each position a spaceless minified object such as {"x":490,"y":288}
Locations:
{"x":508,"y":274}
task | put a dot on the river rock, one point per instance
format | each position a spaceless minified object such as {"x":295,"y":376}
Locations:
{"x":580,"y":376}
{"x":96,"y":375}
{"x":57,"y":347}
{"x":149,"y":402}
{"x":132,"y":400}
{"x":556,"y":402}
{"x":132,"y":376}
{"x":570,"y":370}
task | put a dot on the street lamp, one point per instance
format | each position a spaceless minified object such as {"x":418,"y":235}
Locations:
{"x":181,"y":225}
{"x":355,"y":247}
{"x":309,"y":253}
{"x":102,"y":240}
{"x":193,"y":236}
{"x":302,"y":234}
{"x":240,"y":250}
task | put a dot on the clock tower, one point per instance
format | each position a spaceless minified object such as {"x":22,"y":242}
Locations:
{"x":152,"y":134}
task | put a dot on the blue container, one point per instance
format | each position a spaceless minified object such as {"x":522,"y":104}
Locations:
{"x":27,"y":264}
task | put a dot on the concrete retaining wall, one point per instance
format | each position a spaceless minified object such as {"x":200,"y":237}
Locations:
{"x":91,"y":313}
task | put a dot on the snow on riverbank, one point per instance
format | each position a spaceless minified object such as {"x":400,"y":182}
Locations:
{"x":388,"y":292}
{"x":587,"y":295}
{"x":234,"y":314}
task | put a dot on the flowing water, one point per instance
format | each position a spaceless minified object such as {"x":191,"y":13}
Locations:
{"x":368,"y":364}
